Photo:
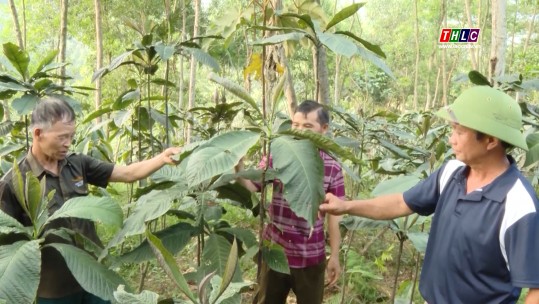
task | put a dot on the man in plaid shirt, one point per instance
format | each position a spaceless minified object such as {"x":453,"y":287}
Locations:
{"x":305,"y":249}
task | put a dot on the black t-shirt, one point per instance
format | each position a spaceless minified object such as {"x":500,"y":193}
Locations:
{"x":76,"y":171}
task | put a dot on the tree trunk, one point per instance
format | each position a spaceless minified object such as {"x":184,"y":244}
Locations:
{"x":193,"y":71}
{"x":499,"y":35}
{"x":16,"y":23}
{"x":99,"y":54}
{"x":416,"y":70}
{"x":512,"y":53}
{"x":444,"y":56}
{"x":63,"y":38}
{"x":24,"y":23}
{"x":322,"y":80}
{"x":180,"y":76}
{"x":289,"y":91}
{"x":530,"y":31}
{"x":322,"y":75}
{"x":469,"y":17}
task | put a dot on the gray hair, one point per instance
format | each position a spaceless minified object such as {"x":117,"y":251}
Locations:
{"x":50,"y":110}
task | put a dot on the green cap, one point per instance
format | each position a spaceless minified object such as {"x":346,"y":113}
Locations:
{"x":488,"y":111}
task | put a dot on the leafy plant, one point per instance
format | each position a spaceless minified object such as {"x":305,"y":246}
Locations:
{"x":20,"y":251}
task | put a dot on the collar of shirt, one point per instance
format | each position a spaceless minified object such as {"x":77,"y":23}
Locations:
{"x":498,"y":188}
{"x":37,"y":168}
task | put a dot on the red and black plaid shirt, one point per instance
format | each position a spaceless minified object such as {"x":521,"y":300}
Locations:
{"x":293,"y":233}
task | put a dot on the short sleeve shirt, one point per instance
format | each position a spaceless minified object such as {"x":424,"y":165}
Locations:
{"x":483,"y":245}
{"x":303,"y":246}
{"x":75,"y":173}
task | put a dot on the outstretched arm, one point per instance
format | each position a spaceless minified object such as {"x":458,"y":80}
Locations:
{"x":143,"y":169}
{"x":246,"y":183}
{"x":380,"y":208}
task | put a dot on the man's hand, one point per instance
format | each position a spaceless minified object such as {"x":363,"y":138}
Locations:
{"x":333,"y":270}
{"x":333,"y":205}
{"x":168,"y":153}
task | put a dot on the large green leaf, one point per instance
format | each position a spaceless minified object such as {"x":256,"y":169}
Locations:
{"x":361,"y":223}
{"x":477,"y":78}
{"x":372,"y":58}
{"x":230,"y":269}
{"x":25,"y":104}
{"x":164,"y":51}
{"x":216,"y":251}
{"x":325,"y":143}
{"x":98,"y":209}
{"x":419,"y":239}
{"x":243,"y":234}
{"x":18,"y":186}
{"x":10,"y":148}
{"x":306,"y":19}
{"x":8,"y":221}
{"x":532,"y":155}
{"x":204,"y":58}
{"x":18,"y":58}
{"x":167,"y":261}
{"x":232,"y":290}
{"x":145,"y":297}
{"x":393,"y":148}
{"x":395,"y":185}
{"x":91,"y":275}
{"x":274,"y":255}
{"x":301,"y":171}
{"x":34,"y":196}
{"x":219,"y":155}
{"x":343,"y":14}
{"x":369,"y":46}
{"x":149,"y":207}
{"x":173,"y":238}
{"x":235,"y":89}
{"x":20,"y":265}
{"x":338,"y":44}
{"x":46,"y":61}
{"x":15,"y":85}
{"x":275,"y":39}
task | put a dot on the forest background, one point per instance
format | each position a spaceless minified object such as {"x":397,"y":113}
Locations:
{"x":221,"y":77}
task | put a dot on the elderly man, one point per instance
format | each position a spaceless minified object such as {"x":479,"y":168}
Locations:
{"x":483,"y":245}
{"x":53,"y":128}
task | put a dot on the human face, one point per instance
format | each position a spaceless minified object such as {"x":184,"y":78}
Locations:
{"x":300,"y":121}
{"x":466,"y":146}
{"x":54,"y":142}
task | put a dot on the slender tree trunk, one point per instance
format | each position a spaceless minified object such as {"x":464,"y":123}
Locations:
{"x":167,"y":71}
{"x":322,"y":79}
{"x":530,"y":31}
{"x":427,"y":89}
{"x":289,"y":91}
{"x":469,"y":17}
{"x":63,"y":38}
{"x":24,"y":23}
{"x":499,"y":36}
{"x":99,"y":53}
{"x":18,"y":33}
{"x":416,"y":70}
{"x":193,"y":71}
{"x":436,"y":88}
{"x":181,"y":69}
{"x":322,"y":75}
{"x":444,"y":57}
{"x":512,"y":53}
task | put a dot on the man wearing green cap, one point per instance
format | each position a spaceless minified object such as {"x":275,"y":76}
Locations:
{"x":483,"y":245}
